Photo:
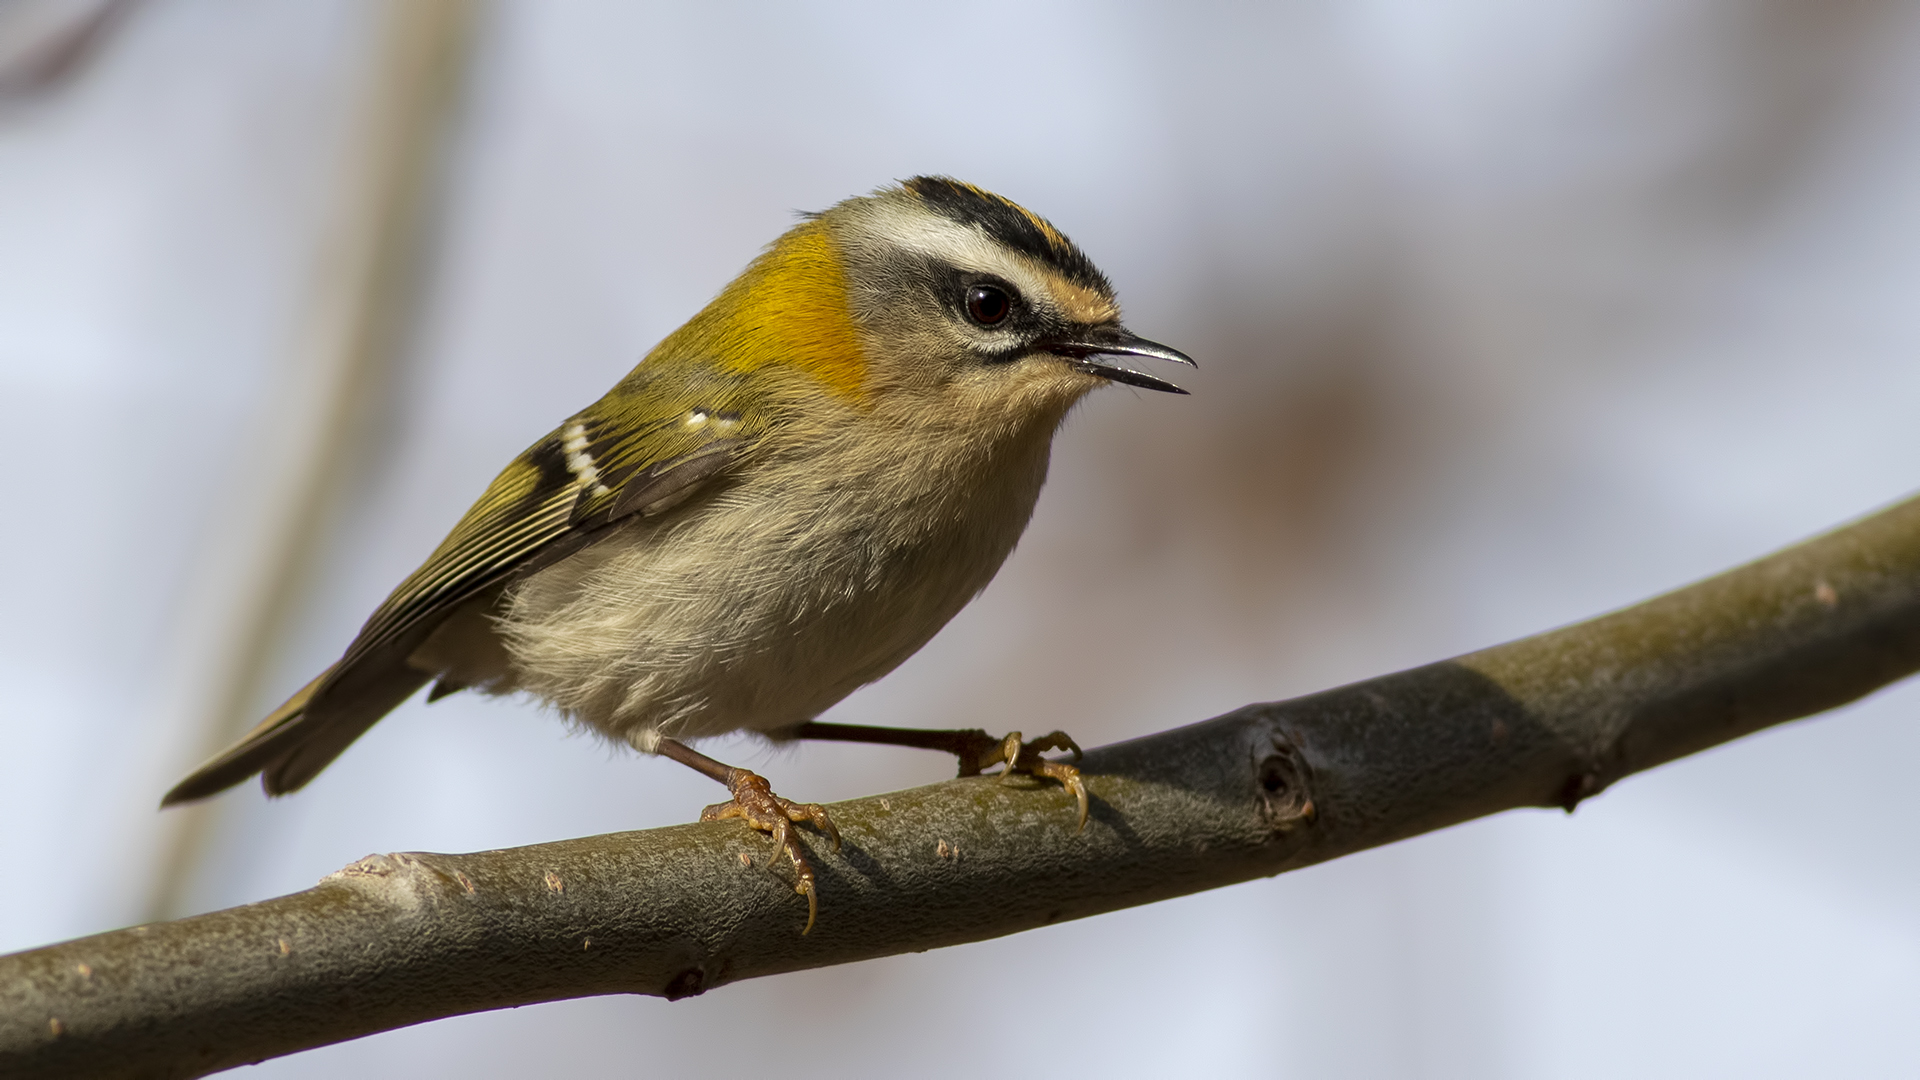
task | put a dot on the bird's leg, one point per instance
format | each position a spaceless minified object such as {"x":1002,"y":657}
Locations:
{"x":976,"y":750}
{"x":754,"y":802}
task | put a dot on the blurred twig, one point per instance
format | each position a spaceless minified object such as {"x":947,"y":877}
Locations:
{"x":365,"y":287}
{"x":38,"y":56}
{"x":1544,"y":721}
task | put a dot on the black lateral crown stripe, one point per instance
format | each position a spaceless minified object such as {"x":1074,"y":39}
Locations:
{"x":1008,"y":224}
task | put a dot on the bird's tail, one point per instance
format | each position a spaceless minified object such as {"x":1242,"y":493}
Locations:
{"x":301,"y":737}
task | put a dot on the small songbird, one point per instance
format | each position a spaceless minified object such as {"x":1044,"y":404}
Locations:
{"x":786,"y":499}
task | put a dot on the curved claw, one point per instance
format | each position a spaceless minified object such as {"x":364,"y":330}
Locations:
{"x":1079,"y":788}
{"x":805,"y":888}
{"x":802,"y":870}
{"x":756,"y":804}
{"x":1023,"y":756}
{"x":1011,"y":751}
{"x":1069,"y":778}
{"x":822,"y":821}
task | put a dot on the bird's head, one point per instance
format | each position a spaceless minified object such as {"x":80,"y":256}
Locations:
{"x":933,"y":292}
{"x":959,"y":289}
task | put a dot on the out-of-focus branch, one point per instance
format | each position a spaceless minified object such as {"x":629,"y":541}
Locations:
{"x":1545,"y":721}
{"x":366,"y":284}
{"x":44,"y":46}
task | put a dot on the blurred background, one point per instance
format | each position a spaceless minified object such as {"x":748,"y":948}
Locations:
{"x":1508,"y":314}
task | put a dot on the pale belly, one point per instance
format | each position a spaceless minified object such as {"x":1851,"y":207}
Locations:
{"x":766,"y":604}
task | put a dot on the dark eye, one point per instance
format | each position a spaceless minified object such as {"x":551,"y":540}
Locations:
{"x":988,"y":304}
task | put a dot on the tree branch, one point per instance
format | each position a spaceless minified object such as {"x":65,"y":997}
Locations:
{"x":1546,"y":721}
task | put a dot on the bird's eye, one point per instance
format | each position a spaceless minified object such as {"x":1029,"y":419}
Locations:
{"x":988,"y":304}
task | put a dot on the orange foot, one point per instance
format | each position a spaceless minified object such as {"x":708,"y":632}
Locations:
{"x":754,"y":800}
{"x":978,"y":751}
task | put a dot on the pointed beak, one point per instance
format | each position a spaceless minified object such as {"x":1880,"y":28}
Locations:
{"x":1092,"y":351}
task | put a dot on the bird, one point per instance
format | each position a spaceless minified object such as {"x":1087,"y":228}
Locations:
{"x":783,"y":501}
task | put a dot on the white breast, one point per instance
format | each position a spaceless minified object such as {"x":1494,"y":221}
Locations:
{"x":765,"y":603}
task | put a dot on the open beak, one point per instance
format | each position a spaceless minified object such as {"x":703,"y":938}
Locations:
{"x":1092,"y":351}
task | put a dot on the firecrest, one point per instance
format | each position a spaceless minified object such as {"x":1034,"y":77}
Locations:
{"x":786,"y":499}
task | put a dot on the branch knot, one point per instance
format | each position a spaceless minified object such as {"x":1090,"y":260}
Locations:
{"x":1283,"y":781}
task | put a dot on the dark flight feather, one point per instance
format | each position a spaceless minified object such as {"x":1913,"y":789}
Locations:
{"x":558,"y":497}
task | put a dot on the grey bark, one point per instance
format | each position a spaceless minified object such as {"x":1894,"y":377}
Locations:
{"x":1545,"y":721}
